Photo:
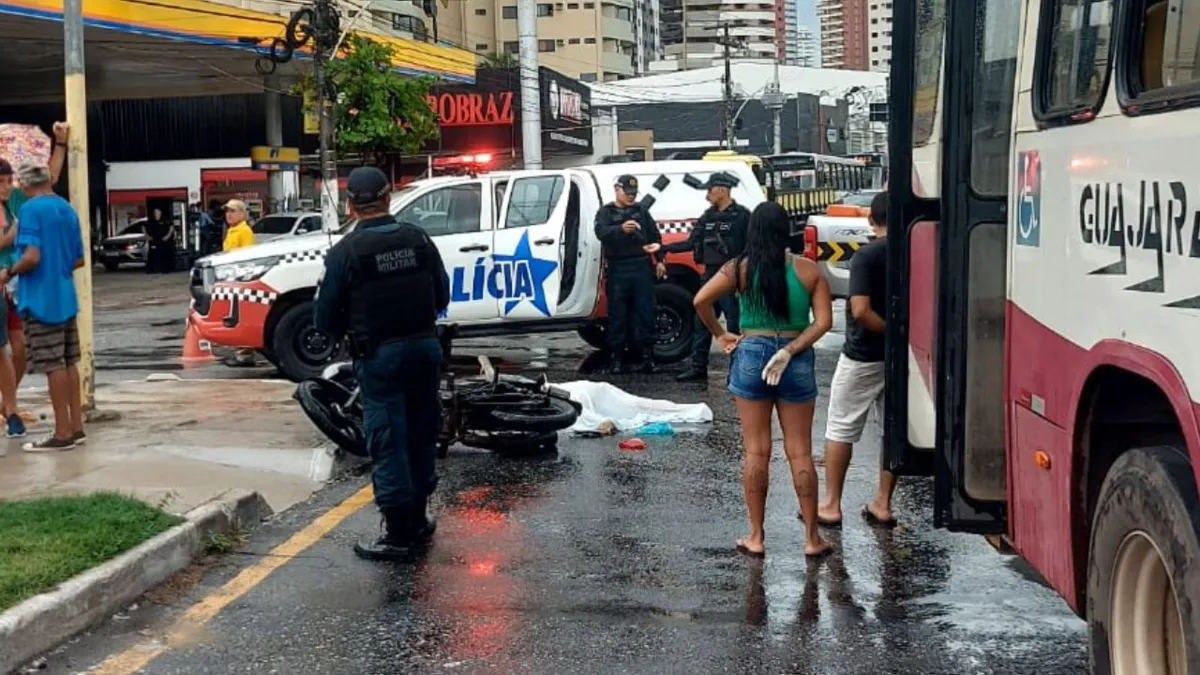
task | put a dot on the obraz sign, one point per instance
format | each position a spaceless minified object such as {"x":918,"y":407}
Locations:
{"x":472,"y":110}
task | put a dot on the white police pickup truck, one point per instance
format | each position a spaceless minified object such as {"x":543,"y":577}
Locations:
{"x":519,"y":247}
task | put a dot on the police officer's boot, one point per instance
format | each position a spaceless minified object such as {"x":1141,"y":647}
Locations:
{"x":696,"y":372}
{"x":619,"y":363}
{"x":394,"y":543}
{"x":648,"y":365}
{"x":423,"y":525}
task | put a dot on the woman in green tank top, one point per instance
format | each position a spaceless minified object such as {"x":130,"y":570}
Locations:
{"x":785,"y":307}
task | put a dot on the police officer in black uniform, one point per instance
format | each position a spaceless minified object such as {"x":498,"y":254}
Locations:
{"x":630,"y":239}
{"x":382,"y":289}
{"x":717,"y":237}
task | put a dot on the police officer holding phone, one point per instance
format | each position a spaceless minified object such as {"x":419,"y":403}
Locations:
{"x":631,"y":241}
{"x":718,"y":236}
{"x":382,"y":289}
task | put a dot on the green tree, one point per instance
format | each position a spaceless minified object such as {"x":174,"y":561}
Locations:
{"x":378,"y":110}
{"x":500,"y":60}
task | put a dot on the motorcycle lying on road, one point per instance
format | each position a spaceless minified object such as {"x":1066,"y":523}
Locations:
{"x":506,"y":414}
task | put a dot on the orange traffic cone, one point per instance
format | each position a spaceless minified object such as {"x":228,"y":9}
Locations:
{"x":195,"y":349}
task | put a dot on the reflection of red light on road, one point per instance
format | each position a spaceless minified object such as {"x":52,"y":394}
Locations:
{"x":475,"y":496}
{"x":482,"y":568}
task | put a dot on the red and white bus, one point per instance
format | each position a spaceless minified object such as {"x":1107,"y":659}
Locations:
{"x":1044,"y":309}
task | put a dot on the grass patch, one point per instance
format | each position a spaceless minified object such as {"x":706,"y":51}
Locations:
{"x":46,"y":541}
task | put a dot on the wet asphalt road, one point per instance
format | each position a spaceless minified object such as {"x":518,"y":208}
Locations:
{"x":603,"y":561}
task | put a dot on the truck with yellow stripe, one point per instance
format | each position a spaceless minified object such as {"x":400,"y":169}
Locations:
{"x":794,"y":181}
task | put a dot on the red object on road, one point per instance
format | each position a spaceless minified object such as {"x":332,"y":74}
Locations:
{"x":632,"y":444}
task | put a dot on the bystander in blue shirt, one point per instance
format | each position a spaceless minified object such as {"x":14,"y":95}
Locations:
{"x":48,"y":223}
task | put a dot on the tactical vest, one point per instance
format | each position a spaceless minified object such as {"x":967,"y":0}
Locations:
{"x":391,"y":289}
{"x":715,"y":244}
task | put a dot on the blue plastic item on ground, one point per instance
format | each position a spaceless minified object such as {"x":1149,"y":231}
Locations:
{"x":656,"y":429}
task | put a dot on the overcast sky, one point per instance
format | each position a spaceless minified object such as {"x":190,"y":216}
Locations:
{"x":806,"y":12}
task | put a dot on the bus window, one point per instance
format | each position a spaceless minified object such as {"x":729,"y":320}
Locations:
{"x":1171,"y":35}
{"x":1073,"y":79}
{"x":931,"y":20}
{"x":996,"y":59}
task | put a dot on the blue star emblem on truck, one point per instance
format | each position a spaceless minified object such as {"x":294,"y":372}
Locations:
{"x":525,"y":277}
{"x":512,"y":278}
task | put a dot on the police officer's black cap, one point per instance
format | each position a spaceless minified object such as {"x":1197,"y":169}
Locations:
{"x":367,"y":185}
{"x":628,"y":184}
{"x":721,"y":179}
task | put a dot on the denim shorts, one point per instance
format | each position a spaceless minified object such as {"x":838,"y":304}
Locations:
{"x":799,"y":381}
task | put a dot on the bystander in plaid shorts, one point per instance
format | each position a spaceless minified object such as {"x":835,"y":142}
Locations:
{"x":51,"y":347}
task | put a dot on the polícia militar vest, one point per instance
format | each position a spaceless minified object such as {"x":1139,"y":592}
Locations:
{"x":722,"y":239}
{"x":391,"y":289}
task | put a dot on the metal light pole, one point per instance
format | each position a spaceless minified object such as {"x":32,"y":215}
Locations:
{"x":531,"y":95}
{"x":323,"y":14}
{"x":75,"y":84}
{"x":773,"y":99}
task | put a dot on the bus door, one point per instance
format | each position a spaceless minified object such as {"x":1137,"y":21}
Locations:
{"x":969,"y":300}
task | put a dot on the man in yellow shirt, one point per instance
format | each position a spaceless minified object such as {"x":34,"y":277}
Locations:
{"x":239,"y":234}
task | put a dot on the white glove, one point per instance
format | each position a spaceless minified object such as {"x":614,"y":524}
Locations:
{"x":775,"y":367}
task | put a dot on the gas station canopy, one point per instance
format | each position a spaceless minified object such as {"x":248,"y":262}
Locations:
{"x":171,"y":48}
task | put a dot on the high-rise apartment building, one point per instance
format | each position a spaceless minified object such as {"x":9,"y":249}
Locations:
{"x":856,"y":34}
{"x":763,"y":29}
{"x":806,"y":49}
{"x":879,"y":34}
{"x":592,"y":40}
{"x":844,"y":42}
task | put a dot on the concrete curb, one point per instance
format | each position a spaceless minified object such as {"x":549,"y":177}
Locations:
{"x":43,"y":622}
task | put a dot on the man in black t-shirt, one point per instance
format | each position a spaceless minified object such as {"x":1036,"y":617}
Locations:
{"x":859,"y":379}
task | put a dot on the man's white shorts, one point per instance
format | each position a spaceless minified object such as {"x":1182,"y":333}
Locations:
{"x":856,"y":387}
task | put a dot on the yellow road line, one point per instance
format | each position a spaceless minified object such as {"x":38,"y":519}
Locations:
{"x":137,"y":657}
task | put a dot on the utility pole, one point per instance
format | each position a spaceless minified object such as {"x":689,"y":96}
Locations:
{"x":531,"y":94}
{"x":773,"y":99}
{"x":77,"y":178}
{"x":683,"y":24}
{"x":730,"y":135}
{"x":325,"y":34}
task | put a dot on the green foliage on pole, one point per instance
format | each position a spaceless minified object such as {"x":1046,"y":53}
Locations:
{"x":378,"y":110}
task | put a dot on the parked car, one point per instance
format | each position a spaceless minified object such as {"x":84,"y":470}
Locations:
{"x":288,"y":223}
{"x":127,"y":246}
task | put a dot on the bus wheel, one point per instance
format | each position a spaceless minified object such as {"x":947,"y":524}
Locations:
{"x":1142,"y":580}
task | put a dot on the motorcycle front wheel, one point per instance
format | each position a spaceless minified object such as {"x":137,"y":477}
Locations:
{"x":326,"y":405}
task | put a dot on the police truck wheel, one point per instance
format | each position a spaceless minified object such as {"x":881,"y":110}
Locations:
{"x":593,"y":335}
{"x":1142,"y":583}
{"x":302,"y":350}
{"x":673,"y":319}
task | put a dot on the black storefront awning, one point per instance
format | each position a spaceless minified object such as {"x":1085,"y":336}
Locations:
{"x":486,"y":116}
